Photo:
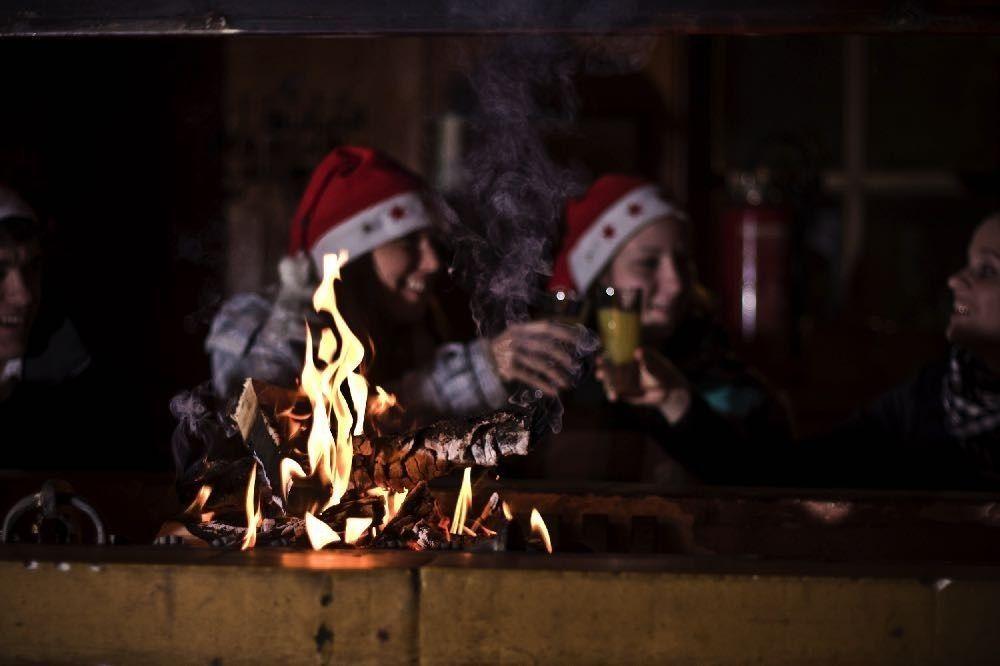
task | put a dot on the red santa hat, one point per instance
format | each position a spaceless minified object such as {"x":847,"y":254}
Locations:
{"x":356,"y":200}
{"x":599,"y":223}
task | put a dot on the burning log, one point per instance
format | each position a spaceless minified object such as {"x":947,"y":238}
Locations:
{"x":394,"y":462}
{"x":420,"y":525}
{"x":282,"y":532}
{"x":286,"y":530}
{"x":306,"y":469}
{"x":227,"y":480}
{"x":400,"y":462}
{"x":488,"y":510}
{"x":419,"y":506}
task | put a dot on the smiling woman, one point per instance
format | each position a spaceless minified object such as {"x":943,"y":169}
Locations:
{"x":975,"y":317}
{"x":384,"y":216}
{"x":683,"y":386}
{"x":943,"y":428}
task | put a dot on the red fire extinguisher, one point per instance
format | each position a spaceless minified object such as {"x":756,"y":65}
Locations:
{"x":756,"y":260}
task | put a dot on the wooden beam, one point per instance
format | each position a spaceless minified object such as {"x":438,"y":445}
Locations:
{"x":345,"y":17}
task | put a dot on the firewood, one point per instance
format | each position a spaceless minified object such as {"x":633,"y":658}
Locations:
{"x":399,"y":462}
{"x":395,"y":462}
{"x":418,"y":506}
{"x":281,"y":532}
{"x":487,"y":513}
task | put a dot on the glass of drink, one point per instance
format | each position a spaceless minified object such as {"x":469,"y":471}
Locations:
{"x":619,"y":327}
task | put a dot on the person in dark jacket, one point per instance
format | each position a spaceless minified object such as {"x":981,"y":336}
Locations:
{"x":941,"y":429}
{"x":46,"y":383}
{"x":704,"y":407}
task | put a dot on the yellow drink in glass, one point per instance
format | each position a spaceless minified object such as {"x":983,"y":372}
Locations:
{"x":619,"y":326}
{"x":619,"y":333}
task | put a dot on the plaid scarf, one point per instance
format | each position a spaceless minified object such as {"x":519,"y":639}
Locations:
{"x":971,"y":396}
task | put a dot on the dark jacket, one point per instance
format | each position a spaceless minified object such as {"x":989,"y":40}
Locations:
{"x":736,"y":430}
{"x":901,"y":440}
{"x":53,"y":418}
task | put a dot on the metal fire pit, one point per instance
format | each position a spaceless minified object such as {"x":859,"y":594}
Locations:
{"x":707,"y":577}
{"x":162,"y":605}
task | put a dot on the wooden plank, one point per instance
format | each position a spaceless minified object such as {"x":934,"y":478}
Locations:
{"x":114,"y":17}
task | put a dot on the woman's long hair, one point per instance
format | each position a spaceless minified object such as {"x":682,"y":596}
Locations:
{"x":391,"y":348}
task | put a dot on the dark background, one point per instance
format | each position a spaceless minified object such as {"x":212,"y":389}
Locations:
{"x":169,"y":168}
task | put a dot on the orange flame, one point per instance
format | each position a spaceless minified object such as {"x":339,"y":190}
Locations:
{"x":355,"y":529}
{"x":382,"y":402}
{"x":332,"y":453}
{"x":463,"y":503}
{"x":290,"y":470}
{"x":539,"y":528}
{"x":320,"y":534}
{"x":198,"y":503}
{"x":391,"y":500}
{"x":253,"y":516}
{"x":508,"y":512}
{"x":396,"y":502}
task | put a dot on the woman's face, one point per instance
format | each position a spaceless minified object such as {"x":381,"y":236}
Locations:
{"x":654,"y":260}
{"x":405,"y":269}
{"x":975,"y":316}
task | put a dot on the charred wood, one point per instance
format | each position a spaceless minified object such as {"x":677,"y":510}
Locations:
{"x":400,"y":462}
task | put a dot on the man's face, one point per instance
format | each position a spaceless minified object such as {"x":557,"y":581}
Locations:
{"x":20,"y":292}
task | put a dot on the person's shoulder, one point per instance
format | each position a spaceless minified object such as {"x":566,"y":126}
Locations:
{"x":237,"y":321}
{"x":930,"y":374}
{"x":60,"y":356}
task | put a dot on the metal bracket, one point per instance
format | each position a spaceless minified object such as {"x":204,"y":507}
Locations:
{"x":47,"y":501}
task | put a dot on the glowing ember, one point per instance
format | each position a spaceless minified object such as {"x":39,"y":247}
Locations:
{"x":198,"y":503}
{"x":320,"y":534}
{"x":538,"y":527}
{"x":382,"y":402}
{"x":355,"y":529}
{"x":384,"y":494}
{"x":463,"y":503}
{"x":395,"y":501}
{"x":391,"y":500}
{"x":253,"y":516}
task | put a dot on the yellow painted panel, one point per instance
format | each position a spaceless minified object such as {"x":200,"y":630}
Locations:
{"x":967,"y":622}
{"x":160,"y":614}
{"x":510,"y":617}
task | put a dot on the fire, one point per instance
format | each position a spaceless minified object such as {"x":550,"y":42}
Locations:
{"x":331,"y":453}
{"x":355,"y":529}
{"x":382,"y":402}
{"x":538,"y":527}
{"x":463,"y":503}
{"x":199,"y":501}
{"x":290,"y":470}
{"x":508,"y":512}
{"x":395,"y":502}
{"x":253,"y":515}
{"x":320,"y":534}
{"x":391,"y":500}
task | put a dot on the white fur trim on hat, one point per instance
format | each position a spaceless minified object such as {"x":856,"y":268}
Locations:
{"x":387,"y":220}
{"x":612,"y":229}
{"x":12,"y":205}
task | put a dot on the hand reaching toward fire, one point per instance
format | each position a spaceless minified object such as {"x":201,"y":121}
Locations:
{"x":661,"y":385}
{"x":543,"y":355}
